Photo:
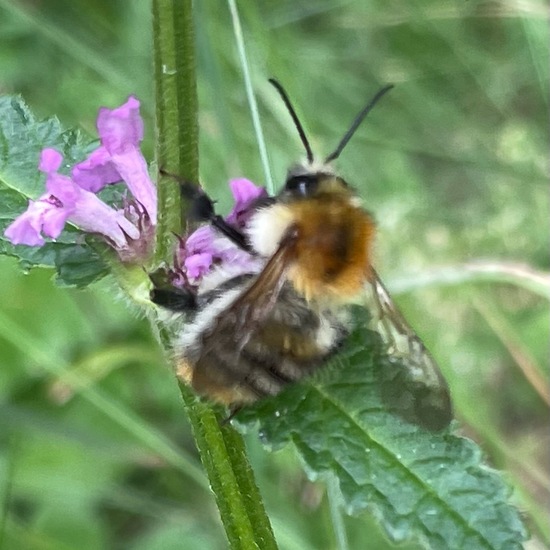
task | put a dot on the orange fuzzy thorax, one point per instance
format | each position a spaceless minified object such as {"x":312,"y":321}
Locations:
{"x":332,"y":254}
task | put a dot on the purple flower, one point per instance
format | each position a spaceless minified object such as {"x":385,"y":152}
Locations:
{"x":206,"y":248}
{"x":198,"y":264}
{"x":43,"y":215}
{"x":119,"y":157}
{"x":96,"y":171}
{"x":66,"y":201}
{"x":245,"y":194}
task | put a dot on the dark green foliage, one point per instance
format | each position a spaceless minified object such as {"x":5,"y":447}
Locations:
{"x":23,"y":138}
{"x":417,"y":483}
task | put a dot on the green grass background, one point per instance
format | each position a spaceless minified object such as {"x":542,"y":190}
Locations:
{"x":453,"y":163}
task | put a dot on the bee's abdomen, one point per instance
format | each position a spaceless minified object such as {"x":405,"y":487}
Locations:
{"x":292,"y":343}
{"x":257,"y":371}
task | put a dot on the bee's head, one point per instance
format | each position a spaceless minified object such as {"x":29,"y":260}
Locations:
{"x":309,"y":180}
{"x":313,"y":178}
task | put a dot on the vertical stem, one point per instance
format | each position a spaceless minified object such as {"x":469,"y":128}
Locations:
{"x":223,"y":455}
{"x":221,"y":448}
{"x":176,"y":114}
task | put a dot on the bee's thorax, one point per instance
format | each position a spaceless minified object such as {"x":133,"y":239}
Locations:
{"x":334,"y":239}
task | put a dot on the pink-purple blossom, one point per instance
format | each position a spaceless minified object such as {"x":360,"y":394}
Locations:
{"x":65,"y":200}
{"x":129,"y":230}
{"x":206,"y":247}
{"x":118,"y":158}
{"x":245,"y":194}
{"x":44,"y":215}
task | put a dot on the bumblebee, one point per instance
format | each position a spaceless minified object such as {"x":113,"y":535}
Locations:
{"x":248,"y":335}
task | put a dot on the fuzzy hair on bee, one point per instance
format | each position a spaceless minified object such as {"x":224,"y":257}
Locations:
{"x":250,"y":333}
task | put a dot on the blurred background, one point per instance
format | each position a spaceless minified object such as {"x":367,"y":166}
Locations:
{"x":453,"y":164}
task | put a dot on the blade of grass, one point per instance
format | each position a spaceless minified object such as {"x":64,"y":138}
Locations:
{"x":335,"y":504}
{"x":522,"y":358}
{"x":536,"y":36}
{"x":253,"y":106}
{"x":520,"y":275}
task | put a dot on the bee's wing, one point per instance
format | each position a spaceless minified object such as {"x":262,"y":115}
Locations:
{"x":415,"y":388}
{"x":252,"y":306}
{"x":219,"y":362}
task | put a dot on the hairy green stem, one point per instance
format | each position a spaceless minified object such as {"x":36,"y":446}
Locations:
{"x":221,"y":448}
{"x":176,"y":115}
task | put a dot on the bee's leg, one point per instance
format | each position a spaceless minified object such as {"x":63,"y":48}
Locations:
{"x":231,"y":233}
{"x":174,"y":299}
{"x":233,"y":411}
{"x":202,"y":209}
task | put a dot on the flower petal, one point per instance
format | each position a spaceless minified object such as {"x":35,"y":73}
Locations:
{"x":119,"y":157}
{"x":21,"y":231}
{"x":244,"y":191}
{"x":97,"y":171}
{"x":198,"y":264}
{"x":201,"y":240}
{"x":93,"y":215}
{"x":24,"y":230}
{"x":133,"y":170}
{"x":85,"y":210}
{"x":120,"y":128}
{"x":245,"y":194}
{"x":206,"y":248}
{"x":50,"y":160}
{"x":53,"y":219}
{"x":63,"y":189}
{"x":44,"y":215}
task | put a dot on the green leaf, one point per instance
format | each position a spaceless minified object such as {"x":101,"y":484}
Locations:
{"x":22,"y":137}
{"x":432,"y":486}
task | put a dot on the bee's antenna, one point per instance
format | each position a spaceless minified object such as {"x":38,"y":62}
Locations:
{"x":294,"y":116}
{"x":358,"y":119}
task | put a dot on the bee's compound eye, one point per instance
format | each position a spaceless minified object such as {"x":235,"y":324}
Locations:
{"x":301,"y":186}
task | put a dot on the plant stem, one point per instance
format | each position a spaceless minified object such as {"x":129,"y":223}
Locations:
{"x":176,"y":114}
{"x":221,"y":448}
